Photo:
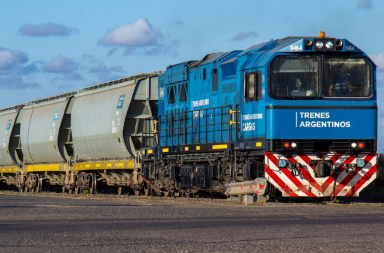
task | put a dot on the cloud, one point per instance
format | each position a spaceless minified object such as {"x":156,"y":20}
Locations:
{"x":60,"y":64}
{"x":163,"y":50}
{"x":11,"y":58}
{"x":141,"y":33}
{"x":137,"y":37}
{"x":242,"y":36}
{"x":112,"y":51}
{"x":34,"y":67}
{"x":378,"y":59}
{"x":101,"y":68}
{"x":89,"y":58}
{"x":45,"y":30}
{"x":364,"y":4}
{"x":16,"y":83}
{"x":73,"y":77}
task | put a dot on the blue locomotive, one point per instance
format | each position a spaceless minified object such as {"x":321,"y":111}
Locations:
{"x":295,"y":116}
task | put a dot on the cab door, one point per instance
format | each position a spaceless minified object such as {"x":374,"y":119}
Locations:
{"x":251,"y":111}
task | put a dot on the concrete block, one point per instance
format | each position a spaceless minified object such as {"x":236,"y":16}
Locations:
{"x":249,"y":199}
{"x":234,"y":198}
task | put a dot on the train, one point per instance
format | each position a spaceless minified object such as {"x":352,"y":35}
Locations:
{"x":291,"y":117}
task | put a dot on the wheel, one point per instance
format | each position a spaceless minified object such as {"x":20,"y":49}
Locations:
{"x":39,"y":186}
{"x":77,"y":190}
{"x":166,"y":193}
{"x":33,"y":189}
{"x":146,"y":191}
{"x":137,"y":193}
{"x":70,"y":190}
{"x":93,"y":189}
{"x":26,"y":189}
{"x":21,"y":189}
{"x":119,"y":190}
{"x":64,"y":189}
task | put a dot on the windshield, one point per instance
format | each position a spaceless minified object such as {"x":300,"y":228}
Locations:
{"x":294,"y":77}
{"x":347,"y":77}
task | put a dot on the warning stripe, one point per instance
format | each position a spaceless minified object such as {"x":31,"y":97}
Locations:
{"x":288,"y":183}
{"x":365,"y":179}
{"x":348,"y":178}
{"x":280,"y":183}
{"x":343,"y":181}
{"x":334,"y":175}
{"x":293,"y":179}
{"x":307,"y":176}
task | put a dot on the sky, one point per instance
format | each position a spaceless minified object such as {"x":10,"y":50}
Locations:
{"x":53,"y":47}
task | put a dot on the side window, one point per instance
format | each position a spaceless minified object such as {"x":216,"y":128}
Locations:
{"x":252,"y":87}
{"x":171,"y":97}
{"x":214,"y":80}
{"x":183,"y":94}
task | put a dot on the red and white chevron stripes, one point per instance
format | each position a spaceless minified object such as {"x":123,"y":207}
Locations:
{"x":306,"y":184}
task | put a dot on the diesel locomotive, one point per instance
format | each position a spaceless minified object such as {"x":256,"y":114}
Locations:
{"x":292,"y":117}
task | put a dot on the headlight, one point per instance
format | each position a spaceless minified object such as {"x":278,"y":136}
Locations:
{"x":329,"y":45}
{"x":319,"y":44}
{"x":293,"y":145}
{"x":353,"y":144}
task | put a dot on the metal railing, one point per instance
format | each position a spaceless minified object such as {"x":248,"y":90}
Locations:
{"x":209,"y":125}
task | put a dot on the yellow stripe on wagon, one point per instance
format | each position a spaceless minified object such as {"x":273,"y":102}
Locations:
{"x":129,"y":164}
{"x":165,"y":150}
{"x":45,"y":167}
{"x":222,"y":146}
{"x":12,"y":169}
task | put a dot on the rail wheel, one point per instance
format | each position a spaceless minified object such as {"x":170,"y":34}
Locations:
{"x":64,"y":189}
{"x":70,"y":190}
{"x":39,"y":186}
{"x":77,"y":190}
{"x":146,"y":191}
{"x":93,"y":188}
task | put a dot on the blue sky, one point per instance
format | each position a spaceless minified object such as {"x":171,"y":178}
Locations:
{"x":52,"y":47}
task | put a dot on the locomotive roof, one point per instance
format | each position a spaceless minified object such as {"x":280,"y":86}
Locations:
{"x":261,"y":54}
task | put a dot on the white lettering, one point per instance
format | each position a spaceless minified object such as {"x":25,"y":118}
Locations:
{"x":200,"y":102}
{"x":252,"y":116}
{"x":248,"y":127}
{"x":326,"y":124}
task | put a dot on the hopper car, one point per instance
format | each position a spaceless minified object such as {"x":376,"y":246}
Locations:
{"x":292,"y":117}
